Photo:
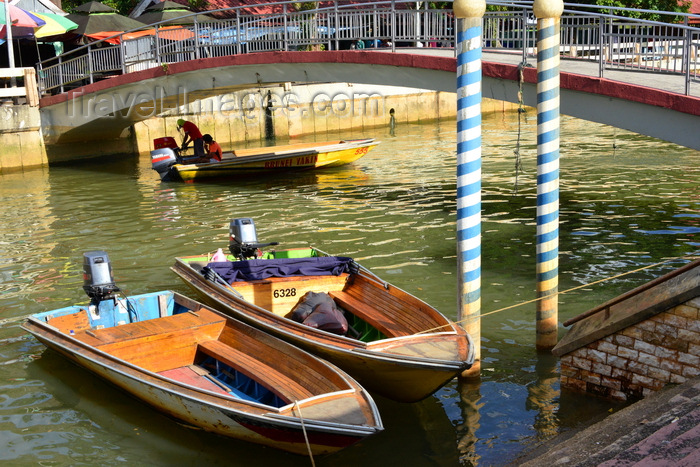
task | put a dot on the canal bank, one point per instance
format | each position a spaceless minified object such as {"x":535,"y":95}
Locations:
{"x":20,"y":138}
{"x":20,"y":122}
{"x":661,"y":429}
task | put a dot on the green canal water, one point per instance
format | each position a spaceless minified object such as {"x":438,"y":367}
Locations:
{"x":627,"y":202}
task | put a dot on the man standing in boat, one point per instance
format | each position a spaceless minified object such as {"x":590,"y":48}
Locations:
{"x":192,"y":134}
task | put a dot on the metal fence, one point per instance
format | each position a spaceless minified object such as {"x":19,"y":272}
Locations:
{"x":601,"y":35}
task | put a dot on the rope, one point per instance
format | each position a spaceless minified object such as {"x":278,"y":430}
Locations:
{"x":691,"y":256}
{"x":521,"y":111}
{"x":306,"y":437}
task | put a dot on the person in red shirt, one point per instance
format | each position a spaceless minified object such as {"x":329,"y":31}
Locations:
{"x":192,"y":134}
{"x":213,"y":148}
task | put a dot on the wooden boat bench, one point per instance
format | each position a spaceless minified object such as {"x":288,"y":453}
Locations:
{"x":282,"y":386}
{"x":157,"y":345}
{"x":369,"y":314}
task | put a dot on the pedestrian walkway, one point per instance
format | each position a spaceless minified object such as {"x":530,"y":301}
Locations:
{"x":661,"y":430}
{"x":664,"y":81}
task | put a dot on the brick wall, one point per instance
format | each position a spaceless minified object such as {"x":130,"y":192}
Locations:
{"x":639,"y":359}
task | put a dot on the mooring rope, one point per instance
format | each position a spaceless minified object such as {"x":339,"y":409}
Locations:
{"x":306,"y":437}
{"x":589,"y":284}
{"x":521,"y":111}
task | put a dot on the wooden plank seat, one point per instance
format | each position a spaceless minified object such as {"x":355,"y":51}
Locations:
{"x":285,"y":388}
{"x":369,"y":314}
{"x":157,"y":345}
{"x":150,"y":328}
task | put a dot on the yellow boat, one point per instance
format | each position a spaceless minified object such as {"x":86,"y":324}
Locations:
{"x":303,"y":156}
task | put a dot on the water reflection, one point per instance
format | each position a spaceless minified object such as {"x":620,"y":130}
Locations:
{"x":627,"y":202}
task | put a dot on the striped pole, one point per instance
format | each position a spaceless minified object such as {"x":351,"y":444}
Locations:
{"x":469,"y":15}
{"x":548,"y":13}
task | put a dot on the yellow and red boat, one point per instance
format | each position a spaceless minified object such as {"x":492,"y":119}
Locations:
{"x":171,"y":166}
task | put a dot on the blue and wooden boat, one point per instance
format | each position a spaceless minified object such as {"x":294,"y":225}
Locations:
{"x":393,"y":343}
{"x":206,"y":369}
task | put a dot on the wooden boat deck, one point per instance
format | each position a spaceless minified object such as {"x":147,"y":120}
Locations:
{"x":370,"y":314}
{"x":142,"y":343}
{"x":188,"y":335}
{"x":384,"y":310}
{"x":401,"y":308}
{"x":283,"y":149}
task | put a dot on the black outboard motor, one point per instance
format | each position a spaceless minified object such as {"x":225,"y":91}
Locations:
{"x":98,"y":281}
{"x":243,"y":240}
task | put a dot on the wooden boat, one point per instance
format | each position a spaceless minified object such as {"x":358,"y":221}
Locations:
{"x":212,"y":371}
{"x":400,"y":347}
{"x":267,"y":160}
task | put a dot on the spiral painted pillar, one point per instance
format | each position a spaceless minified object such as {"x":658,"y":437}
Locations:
{"x":548,"y":13}
{"x":469,"y":15}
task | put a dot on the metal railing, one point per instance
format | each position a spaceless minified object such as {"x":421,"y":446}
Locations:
{"x":588,"y":33}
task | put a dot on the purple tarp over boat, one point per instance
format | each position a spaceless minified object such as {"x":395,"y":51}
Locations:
{"x":256,"y":269}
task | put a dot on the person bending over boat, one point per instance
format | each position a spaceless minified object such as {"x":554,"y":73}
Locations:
{"x":213,"y":148}
{"x":193,"y":135}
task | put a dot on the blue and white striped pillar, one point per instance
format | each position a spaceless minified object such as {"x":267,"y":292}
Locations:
{"x":469,"y":15}
{"x":548,"y":13}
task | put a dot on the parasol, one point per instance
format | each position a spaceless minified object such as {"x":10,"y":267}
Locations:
{"x":16,"y":17}
{"x":95,"y":17}
{"x":55,"y":25}
{"x":172,"y":12}
{"x":20,"y":17}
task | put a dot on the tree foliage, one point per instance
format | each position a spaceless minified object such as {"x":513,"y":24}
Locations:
{"x":305,"y":6}
{"x":674,"y":6}
{"x":124,"y":7}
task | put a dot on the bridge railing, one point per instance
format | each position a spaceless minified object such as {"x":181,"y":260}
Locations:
{"x":589,"y":33}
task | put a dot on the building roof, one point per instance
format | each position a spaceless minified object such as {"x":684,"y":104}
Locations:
{"x":695,"y":9}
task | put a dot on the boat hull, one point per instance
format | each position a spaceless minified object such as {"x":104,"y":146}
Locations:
{"x":280,"y":159}
{"x":224,"y":415}
{"x":407,"y":368}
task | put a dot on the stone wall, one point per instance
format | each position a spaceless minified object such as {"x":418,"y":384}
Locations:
{"x":20,"y":138}
{"x":639,"y":359}
{"x":245,"y":116}
{"x":319,"y":109}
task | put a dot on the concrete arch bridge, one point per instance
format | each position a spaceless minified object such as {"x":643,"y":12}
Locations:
{"x":607,"y":73}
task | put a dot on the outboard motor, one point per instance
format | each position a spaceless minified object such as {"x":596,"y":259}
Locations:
{"x":243,"y":240}
{"x":98,"y":281}
{"x":164,"y":156}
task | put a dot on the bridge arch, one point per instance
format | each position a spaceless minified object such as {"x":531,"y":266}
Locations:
{"x":102,"y":110}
